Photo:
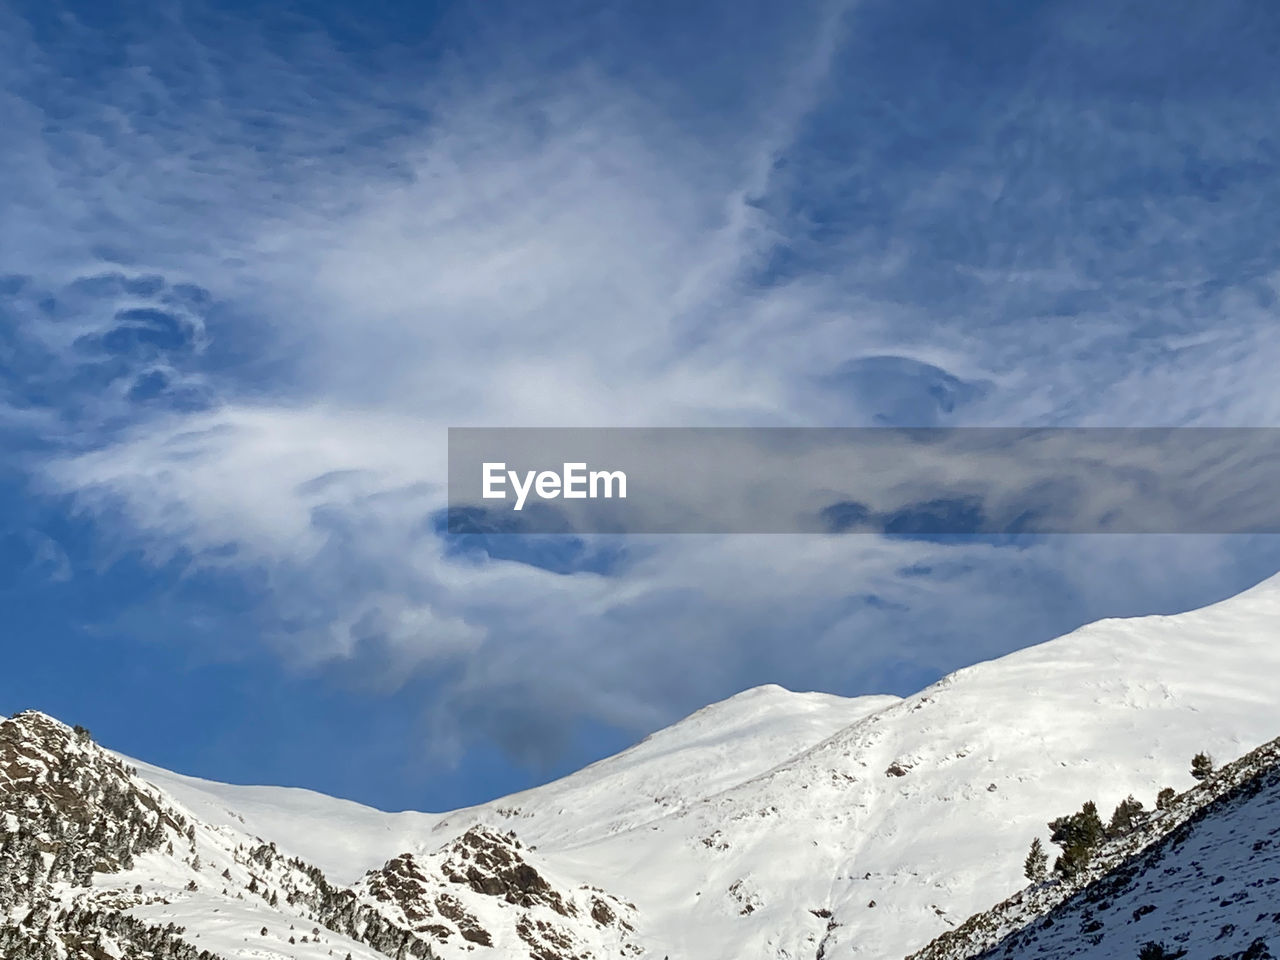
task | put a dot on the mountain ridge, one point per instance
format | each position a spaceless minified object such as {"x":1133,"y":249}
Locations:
{"x":779,"y":825}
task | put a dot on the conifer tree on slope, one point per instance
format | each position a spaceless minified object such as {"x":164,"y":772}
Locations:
{"x":1077,"y":834}
{"x":1036,"y":867}
{"x":1201,"y":766}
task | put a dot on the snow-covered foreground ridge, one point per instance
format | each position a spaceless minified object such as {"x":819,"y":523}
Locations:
{"x":773,"y":824}
{"x":1197,"y":877}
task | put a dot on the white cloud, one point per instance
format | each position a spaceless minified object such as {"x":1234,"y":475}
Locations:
{"x":570,"y":255}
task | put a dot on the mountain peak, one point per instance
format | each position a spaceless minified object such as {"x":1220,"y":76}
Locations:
{"x":43,"y":757}
{"x":38,"y":724}
{"x":771,"y":824}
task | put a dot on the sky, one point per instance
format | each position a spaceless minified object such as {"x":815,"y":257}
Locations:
{"x":256,"y":259}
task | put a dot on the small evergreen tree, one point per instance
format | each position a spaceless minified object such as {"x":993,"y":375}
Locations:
{"x":1077,"y":834}
{"x":1035,"y":867}
{"x":1201,"y":765}
{"x":1127,"y":813}
{"x":1164,"y":799}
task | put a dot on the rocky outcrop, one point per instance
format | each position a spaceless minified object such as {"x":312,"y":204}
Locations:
{"x":484,"y":888}
{"x":68,"y":809}
{"x":491,"y":863}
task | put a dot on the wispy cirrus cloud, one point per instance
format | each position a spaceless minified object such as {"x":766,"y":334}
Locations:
{"x":258,"y":284}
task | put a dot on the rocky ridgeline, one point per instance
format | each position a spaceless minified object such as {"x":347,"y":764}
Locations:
{"x":63,"y":798}
{"x":74,"y":819}
{"x":1119,"y":865}
{"x":68,"y":810}
{"x":431,"y":896}
{"x":309,"y":895}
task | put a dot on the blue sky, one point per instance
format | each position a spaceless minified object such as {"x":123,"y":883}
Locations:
{"x":256,"y":259}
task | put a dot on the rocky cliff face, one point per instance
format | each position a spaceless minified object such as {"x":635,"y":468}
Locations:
{"x":485,"y":886}
{"x":68,"y":811}
{"x":64,"y":799}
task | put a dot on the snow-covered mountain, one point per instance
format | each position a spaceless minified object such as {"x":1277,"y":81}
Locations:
{"x":714,"y":749}
{"x":772,"y":825}
{"x":97,"y":862}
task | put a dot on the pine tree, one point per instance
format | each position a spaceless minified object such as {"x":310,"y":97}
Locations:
{"x":1125,"y":818}
{"x":1201,"y":765}
{"x":1035,"y":867}
{"x":1164,"y":799}
{"x":1077,"y":834}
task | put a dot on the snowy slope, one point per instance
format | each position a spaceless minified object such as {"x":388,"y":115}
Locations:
{"x":1117,"y":707}
{"x":1210,"y":892}
{"x":717,"y":747}
{"x":1198,"y":878}
{"x":712,"y":750}
{"x":342,"y":838}
{"x":512,"y":908}
{"x":805,"y":826}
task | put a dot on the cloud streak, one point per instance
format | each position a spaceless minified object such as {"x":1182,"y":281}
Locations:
{"x":281,"y":275}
